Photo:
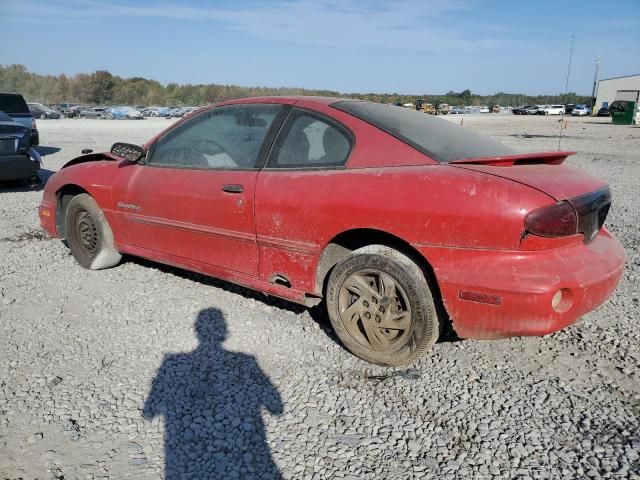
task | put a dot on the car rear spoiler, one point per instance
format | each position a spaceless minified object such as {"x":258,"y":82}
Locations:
{"x":549,"y":158}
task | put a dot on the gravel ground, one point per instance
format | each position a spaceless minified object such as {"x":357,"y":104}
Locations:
{"x":145,"y":371}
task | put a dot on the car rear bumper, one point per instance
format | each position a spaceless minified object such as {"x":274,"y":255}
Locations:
{"x":497,"y":294}
{"x":17,"y":167}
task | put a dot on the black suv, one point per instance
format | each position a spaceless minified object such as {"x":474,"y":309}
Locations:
{"x":13,"y":104}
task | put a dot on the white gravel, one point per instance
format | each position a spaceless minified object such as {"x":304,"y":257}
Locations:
{"x":147,"y":372}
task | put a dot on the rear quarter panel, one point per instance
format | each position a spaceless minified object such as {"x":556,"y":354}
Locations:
{"x":299,"y":212}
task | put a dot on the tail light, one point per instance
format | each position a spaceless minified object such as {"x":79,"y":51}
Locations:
{"x":33,"y":123}
{"x":557,"y":220}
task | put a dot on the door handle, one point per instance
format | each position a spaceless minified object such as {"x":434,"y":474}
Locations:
{"x":233,"y":188}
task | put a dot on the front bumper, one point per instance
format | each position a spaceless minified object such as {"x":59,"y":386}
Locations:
{"x":511,"y":291}
{"x":47,"y":213}
{"x":17,"y":167}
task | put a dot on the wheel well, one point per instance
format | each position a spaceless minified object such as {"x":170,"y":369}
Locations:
{"x":65,"y":194}
{"x":346,"y":242}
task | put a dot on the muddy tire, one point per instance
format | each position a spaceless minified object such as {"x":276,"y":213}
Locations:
{"x":89,"y":235}
{"x":381,"y":306}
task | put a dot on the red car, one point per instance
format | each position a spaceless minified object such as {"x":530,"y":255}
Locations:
{"x":400,"y":221}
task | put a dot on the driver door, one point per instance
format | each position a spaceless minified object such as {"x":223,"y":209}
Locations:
{"x":193,"y":198}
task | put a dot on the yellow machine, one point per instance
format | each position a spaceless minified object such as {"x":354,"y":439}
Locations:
{"x":428,"y":108}
{"x":443,"y":109}
{"x":425,"y":107}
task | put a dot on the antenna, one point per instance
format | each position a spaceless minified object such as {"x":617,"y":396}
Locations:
{"x":566,"y":89}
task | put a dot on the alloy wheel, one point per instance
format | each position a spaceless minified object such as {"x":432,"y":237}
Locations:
{"x":375,"y":310}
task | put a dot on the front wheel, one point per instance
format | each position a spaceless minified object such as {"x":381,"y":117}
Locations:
{"x":89,"y":235}
{"x":381,"y":306}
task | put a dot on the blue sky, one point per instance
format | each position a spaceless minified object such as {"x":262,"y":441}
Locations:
{"x":404,"y":46}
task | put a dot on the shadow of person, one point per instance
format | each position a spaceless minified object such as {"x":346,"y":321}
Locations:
{"x":211,"y":400}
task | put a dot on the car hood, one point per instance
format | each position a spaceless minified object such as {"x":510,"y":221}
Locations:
{"x":542,"y":171}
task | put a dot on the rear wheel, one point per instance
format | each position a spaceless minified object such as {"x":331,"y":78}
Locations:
{"x":89,"y":235}
{"x":381,"y":307}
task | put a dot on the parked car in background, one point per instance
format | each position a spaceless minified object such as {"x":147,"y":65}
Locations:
{"x":65,"y":108}
{"x":522,"y":110}
{"x":131,"y":113}
{"x":604,"y":112}
{"x":171,"y":111}
{"x":267,"y":192}
{"x":484,"y":109}
{"x":74,"y":112}
{"x":568,"y":108}
{"x":42,"y":112}
{"x":91,"y":112}
{"x":581,"y":111}
{"x":150,"y":112}
{"x":456,"y":111}
{"x":15,"y":144}
{"x":553,"y":110}
{"x":13,"y":104}
{"x":181,"y":112}
{"x":122,"y":113}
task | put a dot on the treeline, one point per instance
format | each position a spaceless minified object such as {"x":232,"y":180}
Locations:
{"x":103,"y":88}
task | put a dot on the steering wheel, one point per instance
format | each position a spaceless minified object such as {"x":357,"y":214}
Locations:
{"x":206,"y":143}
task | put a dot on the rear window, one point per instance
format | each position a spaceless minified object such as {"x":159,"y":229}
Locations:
{"x":13,"y":103}
{"x":439,"y":139}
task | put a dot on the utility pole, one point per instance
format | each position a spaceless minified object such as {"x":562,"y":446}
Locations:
{"x":595,"y":85}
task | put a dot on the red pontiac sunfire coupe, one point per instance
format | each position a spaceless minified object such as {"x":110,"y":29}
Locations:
{"x":383,"y":212}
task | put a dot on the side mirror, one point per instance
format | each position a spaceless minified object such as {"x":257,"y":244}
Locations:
{"x":128,"y":151}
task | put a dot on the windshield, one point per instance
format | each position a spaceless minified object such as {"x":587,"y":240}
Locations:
{"x":439,"y":139}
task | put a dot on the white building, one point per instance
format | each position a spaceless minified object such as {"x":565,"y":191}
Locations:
{"x":607,"y":88}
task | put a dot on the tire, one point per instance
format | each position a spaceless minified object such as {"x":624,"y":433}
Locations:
{"x":43,"y":116}
{"x":89,"y":235}
{"x":394,"y":286}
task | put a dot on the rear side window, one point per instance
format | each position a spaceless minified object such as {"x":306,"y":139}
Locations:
{"x":439,"y":139}
{"x":13,"y":103}
{"x":311,"y":141}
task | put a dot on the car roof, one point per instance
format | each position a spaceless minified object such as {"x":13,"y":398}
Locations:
{"x":291,"y":99}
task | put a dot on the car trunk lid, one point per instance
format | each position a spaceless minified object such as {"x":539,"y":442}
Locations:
{"x":543,"y":171}
{"x":10,"y":136}
{"x":589,"y":196}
